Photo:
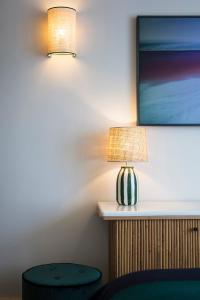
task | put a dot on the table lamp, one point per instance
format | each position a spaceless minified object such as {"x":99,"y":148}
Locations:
{"x":127,"y":144}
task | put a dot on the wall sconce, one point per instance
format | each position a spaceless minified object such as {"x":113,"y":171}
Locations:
{"x":61,"y":31}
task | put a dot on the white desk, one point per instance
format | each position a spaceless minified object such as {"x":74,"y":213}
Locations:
{"x":157,"y":209}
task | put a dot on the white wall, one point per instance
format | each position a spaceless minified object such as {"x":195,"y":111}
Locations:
{"x":54,"y":115}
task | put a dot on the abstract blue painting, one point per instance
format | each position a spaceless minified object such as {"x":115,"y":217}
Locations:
{"x":168,"y":70}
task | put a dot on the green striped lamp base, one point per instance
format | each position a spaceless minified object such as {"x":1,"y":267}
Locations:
{"x":127,"y":189}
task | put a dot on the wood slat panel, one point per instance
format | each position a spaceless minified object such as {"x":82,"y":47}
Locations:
{"x":153,"y":244}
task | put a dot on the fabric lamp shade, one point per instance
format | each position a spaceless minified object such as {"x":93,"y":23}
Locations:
{"x":61,"y":30}
{"x":127,"y":144}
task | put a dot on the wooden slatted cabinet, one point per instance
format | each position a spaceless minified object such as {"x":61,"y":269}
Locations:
{"x":152,"y":242}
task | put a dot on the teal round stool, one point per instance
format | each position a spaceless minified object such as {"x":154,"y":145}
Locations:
{"x":62,"y":281}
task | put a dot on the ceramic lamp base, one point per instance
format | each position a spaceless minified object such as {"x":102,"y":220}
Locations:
{"x":127,"y":187}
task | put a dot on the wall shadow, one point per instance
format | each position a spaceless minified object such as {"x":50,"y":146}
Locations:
{"x":77,"y":236}
{"x":35,"y":33}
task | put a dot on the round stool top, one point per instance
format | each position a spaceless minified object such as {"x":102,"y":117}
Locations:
{"x":62,"y":274}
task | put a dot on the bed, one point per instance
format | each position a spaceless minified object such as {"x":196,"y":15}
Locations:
{"x":171,"y":284}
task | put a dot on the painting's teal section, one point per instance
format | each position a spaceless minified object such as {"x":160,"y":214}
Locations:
{"x":174,"y":102}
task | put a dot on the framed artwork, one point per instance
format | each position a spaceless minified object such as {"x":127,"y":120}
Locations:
{"x":168,"y":70}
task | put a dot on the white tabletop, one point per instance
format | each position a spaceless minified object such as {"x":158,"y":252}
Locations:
{"x":150,"y":209}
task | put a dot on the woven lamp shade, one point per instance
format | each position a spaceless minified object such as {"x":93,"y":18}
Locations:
{"x":61,"y":30}
{"x":127,"y":144}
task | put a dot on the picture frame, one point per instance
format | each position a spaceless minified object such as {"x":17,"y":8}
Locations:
{"x":168,"y":70}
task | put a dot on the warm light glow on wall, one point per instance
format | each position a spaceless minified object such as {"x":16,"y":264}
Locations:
{"x":61,"y":30}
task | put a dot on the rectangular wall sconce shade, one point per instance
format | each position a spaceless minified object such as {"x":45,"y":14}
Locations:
{"x":61,"y":31}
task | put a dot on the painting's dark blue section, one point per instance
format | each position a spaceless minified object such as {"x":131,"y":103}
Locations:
{"x":171,"y":33}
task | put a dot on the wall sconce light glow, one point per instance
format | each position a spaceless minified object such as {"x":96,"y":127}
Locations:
{"x":61,"y":31}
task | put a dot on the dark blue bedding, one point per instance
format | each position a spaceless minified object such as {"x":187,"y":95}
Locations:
{"x":183,"y":284}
